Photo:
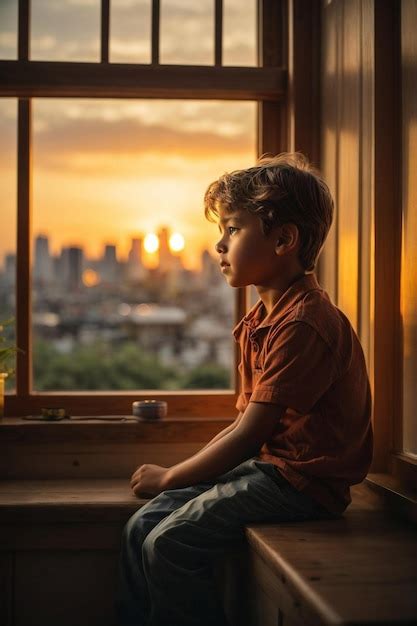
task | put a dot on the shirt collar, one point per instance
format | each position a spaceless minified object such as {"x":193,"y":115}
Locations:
{"x":255,"y":319}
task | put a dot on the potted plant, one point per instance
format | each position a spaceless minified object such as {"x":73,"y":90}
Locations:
{"x":5,"y":353}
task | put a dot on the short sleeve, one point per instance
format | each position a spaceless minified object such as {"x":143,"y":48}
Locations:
{"x":298,"y":368}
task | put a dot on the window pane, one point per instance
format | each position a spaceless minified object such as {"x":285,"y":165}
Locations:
{"x":187,"y":32}
{"x":8,"y":134}
{"x":409,"y":241}
{"x":111,"y":179}
{"x":130,"y":31}
{"x":67,"y":30}
{"x":8,"y":29}
{"x":239,"y":32}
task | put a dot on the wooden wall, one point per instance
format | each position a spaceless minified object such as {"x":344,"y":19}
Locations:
{"x":407,"y":440}
{"x":347,"y":142}
{"x":368,"y":156}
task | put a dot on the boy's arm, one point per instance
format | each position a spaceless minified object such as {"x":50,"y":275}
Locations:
{"x":223,"y":432}
{"x":254,"y":428}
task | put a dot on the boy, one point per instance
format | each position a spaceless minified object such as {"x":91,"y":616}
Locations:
{"x":303,"y":433}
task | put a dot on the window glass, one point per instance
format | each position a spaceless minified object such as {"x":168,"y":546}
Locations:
{"x":65,"y":30}
{"x":239,"y":32}
{"x":130,"y":28}
{"x":409,"y":238}
{"x":8,"y":29}
{"x":187,"y":32}
{"x":127,"y":293}
{"x":8,"y":134}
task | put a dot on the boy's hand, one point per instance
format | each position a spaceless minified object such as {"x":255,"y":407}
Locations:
{"x":149,"y":480}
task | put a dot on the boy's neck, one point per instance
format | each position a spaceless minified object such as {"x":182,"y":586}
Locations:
{"x":271,"y":295}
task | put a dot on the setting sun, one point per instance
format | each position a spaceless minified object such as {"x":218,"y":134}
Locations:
{"x":151,"y":243}
{"x":90,"y":278}
{"x":176,"y":242}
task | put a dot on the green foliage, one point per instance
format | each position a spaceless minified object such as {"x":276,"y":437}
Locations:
{"x":6,"y":352}
{"x":107,"y":367}
{"x":97,"y":367}
{"x":208,"y":377}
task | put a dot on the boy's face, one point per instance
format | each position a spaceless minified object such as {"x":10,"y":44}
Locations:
{"x":247,"y":256}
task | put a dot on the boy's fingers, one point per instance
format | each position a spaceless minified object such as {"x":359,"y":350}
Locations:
{"x":136,"y":474}
{"x":135,"y":486}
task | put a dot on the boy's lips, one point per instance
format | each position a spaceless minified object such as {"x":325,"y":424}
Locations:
{"x":224,"y":266}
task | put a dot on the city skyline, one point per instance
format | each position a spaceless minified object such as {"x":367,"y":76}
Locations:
{"x":166,"y":239}
{"x":92,"y":182}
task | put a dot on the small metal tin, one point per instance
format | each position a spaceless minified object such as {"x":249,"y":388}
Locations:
{"x":53,"y":413}
{"x":150,"y":409}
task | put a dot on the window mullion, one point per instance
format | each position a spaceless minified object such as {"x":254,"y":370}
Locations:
{"x":218,"y":33}
{"x":23,"y":264}
{"x":156,"y":11}
{"x":105,"y":30}
{"x":272,"y":53}
{"x":24,"y":29}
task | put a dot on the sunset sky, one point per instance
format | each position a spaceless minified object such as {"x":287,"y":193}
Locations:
{"x":105,"y":171}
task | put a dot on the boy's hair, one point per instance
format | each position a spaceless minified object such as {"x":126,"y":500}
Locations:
{"x":282,"y":189}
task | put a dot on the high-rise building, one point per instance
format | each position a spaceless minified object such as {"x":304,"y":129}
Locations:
{"x":165,"y":256}
{"x":10,"y":269}
{"x":69,"y":268}
{"x":43,"y":267}
{"x":109,"y":265}
{"x":168,"y":262}
{"x":75,"y":268}
{"x":135,"y":269}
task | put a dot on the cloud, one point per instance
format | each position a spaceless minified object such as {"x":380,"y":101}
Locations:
{"x":89,"y":137}
{"x":86,"y":145}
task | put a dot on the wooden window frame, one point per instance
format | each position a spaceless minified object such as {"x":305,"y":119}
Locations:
{"x":279,"y":84}
{"x":389,"y":457}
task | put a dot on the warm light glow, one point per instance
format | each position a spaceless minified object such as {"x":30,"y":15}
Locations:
{"x":151,"y":243}
{"x":131,"y":188}
{"x":91,"y":278}
{"x":176,"y":242}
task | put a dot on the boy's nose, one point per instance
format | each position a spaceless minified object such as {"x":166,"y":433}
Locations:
{"x":220,"y":246}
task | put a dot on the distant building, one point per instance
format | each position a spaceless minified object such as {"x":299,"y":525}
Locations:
{"x":168,"y":262}
{"x":75,"y":267}
{"x":43,"y":273}
{"x":10,"y":270}
{"x":109,"y":265}
{"x":69,"y":268}
{"x":135,"y":270}
{"x":155,"y":327}
{"x":164,"y":251}
{"x":210,"y":271}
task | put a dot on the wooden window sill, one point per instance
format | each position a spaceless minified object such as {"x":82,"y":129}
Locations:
{"x":207,"y":404}
{"x":115,"y":428}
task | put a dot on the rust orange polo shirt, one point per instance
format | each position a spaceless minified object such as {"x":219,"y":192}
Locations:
{"x":305,"y":356}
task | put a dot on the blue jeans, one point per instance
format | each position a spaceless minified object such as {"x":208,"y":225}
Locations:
{"x":170,"y":544}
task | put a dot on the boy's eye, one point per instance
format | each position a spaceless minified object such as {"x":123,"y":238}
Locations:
{"x":232,"y":230}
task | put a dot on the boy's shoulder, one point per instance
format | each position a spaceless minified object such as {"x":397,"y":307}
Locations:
{"x":318,"y":311}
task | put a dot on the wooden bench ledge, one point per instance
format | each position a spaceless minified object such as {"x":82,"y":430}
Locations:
{"x":67,"y":500}
{"x":361,"y":569}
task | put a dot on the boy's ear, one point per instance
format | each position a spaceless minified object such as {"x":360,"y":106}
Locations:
{"x":288,"y":235}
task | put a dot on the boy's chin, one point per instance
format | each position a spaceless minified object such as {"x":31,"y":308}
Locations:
{"x":235,"y":282}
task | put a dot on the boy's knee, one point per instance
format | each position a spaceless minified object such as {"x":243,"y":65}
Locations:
{"x":135,"y":528}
